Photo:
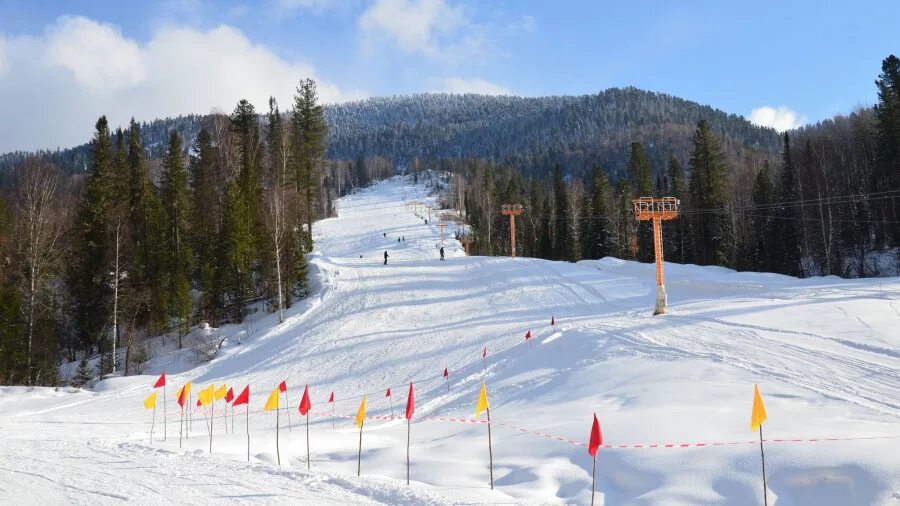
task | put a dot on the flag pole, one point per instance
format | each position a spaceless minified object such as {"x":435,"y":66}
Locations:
{"x":153,"y":424}
{"x":277,"y":424}
{"x":225,"y":417}
{"x":248,"y":432}
{"x":762,"y":456}
{"x":212,"y":413}
{"x":359,"y":455}
{"x":187,"y":432}
{"x":407,"y":449}
{"x":307,"y":440}
{"x":490,"y":449}
{"x":593,"y":478}
{"x":332,"y":414}
{"x":165,"y":415}
{"x":180,"y":426}
{"x":287,"y":400}
{"x":391,"y":398}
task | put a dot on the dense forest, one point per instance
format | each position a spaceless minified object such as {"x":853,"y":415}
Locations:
{"x":151,"y":240}
{"x":529,"y":133}
{"x":828,"y":203}
{"x":152,"y":229}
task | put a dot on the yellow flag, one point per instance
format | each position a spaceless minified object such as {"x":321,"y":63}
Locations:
{"x":361,"y":414}
{"x":220,"y":393}
{"x":187,"y":389}
{"x":205,"y":396}
{"x":482,"y":403}
{"x":272,"y":403}
{"x":150,"y":401}
{"x":759,"y":411}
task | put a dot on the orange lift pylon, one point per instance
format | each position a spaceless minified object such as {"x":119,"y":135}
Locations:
{"x":657,"y":209}
{"x":512,"y":210}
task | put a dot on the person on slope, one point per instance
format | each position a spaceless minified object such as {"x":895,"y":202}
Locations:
{"x":398,"y":239}
{"x":385,"y":257}
{"x":384,"y":234}
{"x":442,"y":253}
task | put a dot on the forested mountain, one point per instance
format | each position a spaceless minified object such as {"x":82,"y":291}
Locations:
{"x":529,"y":133}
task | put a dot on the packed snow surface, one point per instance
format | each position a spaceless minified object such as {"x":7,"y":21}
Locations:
{"x":825,"y":353}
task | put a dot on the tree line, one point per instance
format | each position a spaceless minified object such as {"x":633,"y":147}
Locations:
{"x":827,"y":204}
{"x":139,"y":245}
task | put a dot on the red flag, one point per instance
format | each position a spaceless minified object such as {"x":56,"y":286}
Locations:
{"x":229,"y":396}
{"x":161,"y":382}
{"x":199,"y":403}
{"x":446,"y":373}
{"x":243,"y":397}
{"x":552,"y":321}
{"x":181,"y":398}
{"x":410,"y":403}
{"x":305,"y":405}
{"x":331,"y":398}
{"x":388,"y":393}
{"x":528,"y":335}
{"x":282,"y":387}
{"x":596,"y":438}
{"x":484,"y":353}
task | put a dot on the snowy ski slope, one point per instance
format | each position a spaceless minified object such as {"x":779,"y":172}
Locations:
{"x":825,"y":353}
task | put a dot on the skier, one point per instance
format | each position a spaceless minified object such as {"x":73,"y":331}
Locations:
{"x":398,"y":239}
{"x":384,"y":234}
{"x":442,"y":253}
{"x":404,"y":238}
{"x":385,"y":257}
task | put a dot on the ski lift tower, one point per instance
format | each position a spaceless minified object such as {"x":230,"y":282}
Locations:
{"x":657,"y":209}
{"x":512,"y":210}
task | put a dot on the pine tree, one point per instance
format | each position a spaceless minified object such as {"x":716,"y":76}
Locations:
{"x":83,"y":375}
{"x":709,"y":193}
{"x":596,"y":237}
{"x":89,"y":272}
{"x":640,"y":174}
{"x":149,"y":277}
{"x":206,"y":229}
{"x":676,"y":234}
{"x":786,"y":251}
{"x":308,"y":144}
{"x":245,"y":124}
{"x":762,"y":238}
{"x":179,"y":257}
{"x":625,"y":239}
{"x":887,"y":123}
{"x":563,"y":245}
{"x":238,"y":250}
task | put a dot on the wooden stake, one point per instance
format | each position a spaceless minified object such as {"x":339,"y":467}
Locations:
{"x":762,"y":456}
{"x":165,"y":415}
{"x":359,"y":456}
{"x":187,"y":432}
{"x":180,"y":426}
{"x":593,"y":479}
{"x":490,"y":449}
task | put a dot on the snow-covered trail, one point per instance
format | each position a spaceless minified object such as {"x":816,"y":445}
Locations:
{"x":824,"y":351}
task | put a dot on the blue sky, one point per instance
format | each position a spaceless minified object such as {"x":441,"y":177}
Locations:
{"x":791,"y":62}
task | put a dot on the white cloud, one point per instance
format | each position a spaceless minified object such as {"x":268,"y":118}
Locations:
{"x":96,"y":53}
{"x":779,"y":118}
{"x":412,"y":25}
{"x":474,"y":85}
{"x":80,"y":69}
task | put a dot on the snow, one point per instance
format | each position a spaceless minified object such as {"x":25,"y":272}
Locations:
{"x":824,"y":351}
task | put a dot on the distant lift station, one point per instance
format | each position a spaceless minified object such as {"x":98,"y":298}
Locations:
{"x":657,"y":210}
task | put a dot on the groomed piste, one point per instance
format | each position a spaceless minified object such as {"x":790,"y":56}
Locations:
{"x":673,"y":394}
